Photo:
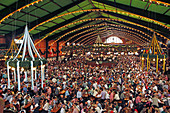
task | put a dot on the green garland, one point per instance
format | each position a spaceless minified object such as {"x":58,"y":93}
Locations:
{"x":153,"y":56}
{"x":26,"y":64}
{"x":91,"y":47}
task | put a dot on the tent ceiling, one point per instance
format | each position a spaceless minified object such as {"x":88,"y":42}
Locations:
{"x":143,"y":15}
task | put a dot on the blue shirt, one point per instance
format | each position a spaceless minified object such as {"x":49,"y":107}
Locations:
{"x":66,"y":93}
{"x":25,"y":89}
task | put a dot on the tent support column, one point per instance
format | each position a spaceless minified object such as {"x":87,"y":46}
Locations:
{"x":147,"y":62}
{"x":57,"y":50}
{"x":18,"y":74}
{"x":46,"y":49}
{"x":8,"y":75}
{"x":164,"y":64}
{"x":32,"y":78}
{"x":35,"y":74}
{"x":42,"y":74}
{"x":157,"y":63}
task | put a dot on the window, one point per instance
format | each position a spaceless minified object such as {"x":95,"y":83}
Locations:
{"x":113,"y":39}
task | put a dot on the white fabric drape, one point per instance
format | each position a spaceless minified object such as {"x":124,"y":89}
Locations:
{"x":32,"y":78}
{"x":29,"y":48}
{"x":35,"y":50}
{"x":42,"y":74}
{"x":25,"y":46}
{"x":18,"y":76}
{"x":8,"y":75}
{"x":26,"y":78}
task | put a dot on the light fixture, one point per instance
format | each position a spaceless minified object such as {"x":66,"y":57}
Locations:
{"x":34,"y":68}
{"x":13,"y":68}
{"x":22,"y":69}
{"x":43,"y":66}
{"x":142,"y":58}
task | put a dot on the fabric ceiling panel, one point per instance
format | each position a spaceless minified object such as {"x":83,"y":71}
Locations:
{"x":39,"y":13}
{"x":49,"y":24}
{"x":51,"y":7}
{"x":160,"y":10}
{"x":8,"y":2}
{"x":64,"y":2}
{"x":28,"y":18}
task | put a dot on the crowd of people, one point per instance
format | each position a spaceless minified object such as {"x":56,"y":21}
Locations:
{"x":72,"y":86}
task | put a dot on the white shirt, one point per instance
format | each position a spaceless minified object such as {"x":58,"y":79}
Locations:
{"x":95,"y":85}
{"x":143,"y":90}
{"x":116,"y":97}
{"x":155,"y":88}
{"x":98,"y":110}
{"x":95,"y":93}
{"x":79,"y":94}
{"x":32,"y":108}
{"x":131,"y":103}
{"x":107,"y":96}
{"x":119,"y":109}
{"x":23,"y":111}
{"x":46,"y":107}
{"x":62,"y":110}
{"x":106,"y":86}
{"x":88,"y":102}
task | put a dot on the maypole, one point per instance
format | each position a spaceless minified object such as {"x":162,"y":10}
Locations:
{"x":154,"y":52}
{"x":26,"y":63}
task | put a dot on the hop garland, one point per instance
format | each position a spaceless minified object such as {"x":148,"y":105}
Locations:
{"x":26,"y":64}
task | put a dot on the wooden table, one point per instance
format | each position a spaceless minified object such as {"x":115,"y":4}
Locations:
{"x":126,"y":99}
{"x":41,"y":109}
{"x":8,"y":111}
{"x":62,"y":92}
{"x":54,"y":110}
{"x":119,"y":101}
{"x":85,"y":95}
{"x":7,"y":106}
{"x":27,"y":105}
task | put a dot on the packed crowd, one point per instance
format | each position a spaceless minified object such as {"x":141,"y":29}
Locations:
{"x":72,"y":86}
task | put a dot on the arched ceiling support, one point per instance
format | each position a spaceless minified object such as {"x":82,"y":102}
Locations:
{"x":127,"y":31}
{"x":92,"y":39}
{"x":136,"y":37}
{"x":145,"y":13}
{"x":104,"y":10}
{"x":97,"y":26}
{"x":46,"y":17}
{"x":10,"y":10}
{"x":72,"y":24}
